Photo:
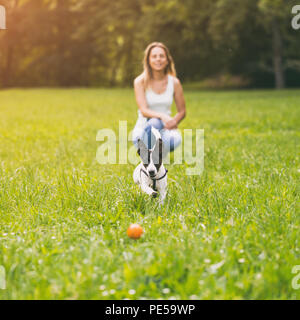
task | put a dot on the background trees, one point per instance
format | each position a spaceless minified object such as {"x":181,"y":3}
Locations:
{"x":101,"y":42}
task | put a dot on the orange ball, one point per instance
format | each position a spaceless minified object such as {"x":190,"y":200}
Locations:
{"x":134,"y":231}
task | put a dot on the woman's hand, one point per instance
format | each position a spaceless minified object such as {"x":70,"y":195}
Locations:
{"x":169,"y":122}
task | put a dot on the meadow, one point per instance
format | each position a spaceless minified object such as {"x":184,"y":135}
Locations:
{"x":230,"y":233}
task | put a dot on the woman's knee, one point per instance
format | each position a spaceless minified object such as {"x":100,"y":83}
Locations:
{"x":172,"y":140}
{"x":155,"y":123}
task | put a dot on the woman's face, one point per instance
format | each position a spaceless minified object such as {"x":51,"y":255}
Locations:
{"x":158,"y":59}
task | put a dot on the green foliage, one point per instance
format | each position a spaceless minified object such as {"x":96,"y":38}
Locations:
{"x":231,"y":233}
{"x":101,"y":42}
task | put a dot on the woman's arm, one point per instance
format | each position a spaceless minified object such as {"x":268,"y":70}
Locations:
{"x":179,"y":100}
{"x":180,"y":105}
{"x":141,"y":100}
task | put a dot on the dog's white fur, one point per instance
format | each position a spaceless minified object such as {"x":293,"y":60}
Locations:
{"x":141,"y":174}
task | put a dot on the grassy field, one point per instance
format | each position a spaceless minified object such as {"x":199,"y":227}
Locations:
{"x":230,"y":233}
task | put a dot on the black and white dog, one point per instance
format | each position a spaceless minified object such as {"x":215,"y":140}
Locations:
{"x":151,"y":174}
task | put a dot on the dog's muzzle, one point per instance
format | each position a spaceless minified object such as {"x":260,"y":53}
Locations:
{"x":152,"y":174}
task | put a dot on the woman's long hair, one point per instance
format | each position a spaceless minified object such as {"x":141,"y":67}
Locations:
{"x":170,"y":68}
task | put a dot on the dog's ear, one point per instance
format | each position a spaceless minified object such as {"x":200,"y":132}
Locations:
{"x":155,"y":133}
{"x":157,"y":152}
{"x":143,"y":151}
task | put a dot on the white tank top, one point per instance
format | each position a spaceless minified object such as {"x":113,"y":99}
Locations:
{"x":160,"y":102}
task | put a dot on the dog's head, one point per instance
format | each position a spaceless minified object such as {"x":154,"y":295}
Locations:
{"x":152,"y":159}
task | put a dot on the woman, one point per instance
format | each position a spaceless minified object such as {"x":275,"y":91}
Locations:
{"x":154,"y":90}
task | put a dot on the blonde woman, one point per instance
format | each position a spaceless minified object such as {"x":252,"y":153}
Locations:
{"x":155,"y":90}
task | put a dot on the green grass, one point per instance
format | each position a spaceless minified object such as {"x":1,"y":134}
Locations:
{"x":231,"y":233}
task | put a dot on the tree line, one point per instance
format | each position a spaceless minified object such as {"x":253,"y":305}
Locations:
{"x":101,"y":42}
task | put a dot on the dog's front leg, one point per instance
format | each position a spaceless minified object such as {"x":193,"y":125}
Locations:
{"x":148,"y":190}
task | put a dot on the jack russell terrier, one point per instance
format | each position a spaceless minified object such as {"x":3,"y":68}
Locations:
{"x":151,"y":174}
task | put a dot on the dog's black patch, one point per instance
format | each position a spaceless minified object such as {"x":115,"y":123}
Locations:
{"x":157,"y":154}
{"x":148,"y":160}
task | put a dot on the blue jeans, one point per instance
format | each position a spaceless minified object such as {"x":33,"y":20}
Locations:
{"x":171,"y":138}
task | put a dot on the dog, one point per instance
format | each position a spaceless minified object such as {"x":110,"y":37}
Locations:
{"x":151,"y":174}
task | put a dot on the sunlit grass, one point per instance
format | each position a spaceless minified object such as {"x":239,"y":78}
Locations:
{"x":231,"y":233}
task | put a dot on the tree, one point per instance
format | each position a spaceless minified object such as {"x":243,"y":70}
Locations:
{"x":101,"y":42}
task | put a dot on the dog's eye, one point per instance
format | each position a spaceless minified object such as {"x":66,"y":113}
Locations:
{"x":148,"y":157}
